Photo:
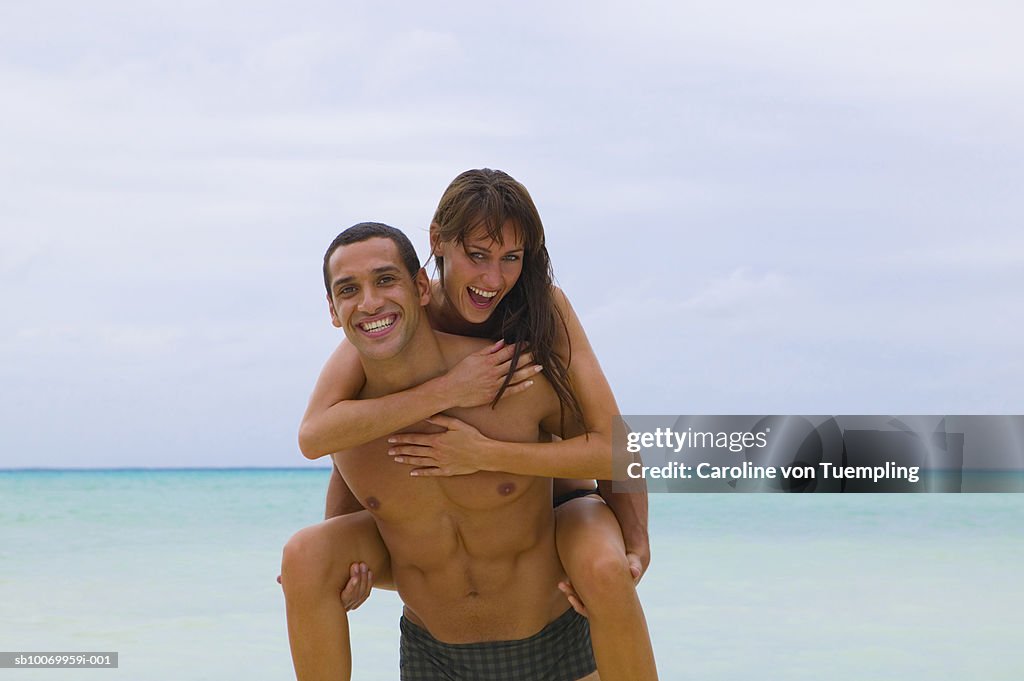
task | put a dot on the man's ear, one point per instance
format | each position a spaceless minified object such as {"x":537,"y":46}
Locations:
{"x":435,"y":240}
{"x":334,"y":313}
{"x":423,"y":285}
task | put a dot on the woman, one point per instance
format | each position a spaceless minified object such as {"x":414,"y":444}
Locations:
{"x":495,"y":282}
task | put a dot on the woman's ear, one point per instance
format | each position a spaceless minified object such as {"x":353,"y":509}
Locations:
{"x":435,"y":240}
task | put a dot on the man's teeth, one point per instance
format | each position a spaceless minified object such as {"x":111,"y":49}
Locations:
{"x":379,"y":324}
{"x":483,"y":294}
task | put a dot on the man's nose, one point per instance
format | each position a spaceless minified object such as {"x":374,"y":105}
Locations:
{"x":371,"y":301}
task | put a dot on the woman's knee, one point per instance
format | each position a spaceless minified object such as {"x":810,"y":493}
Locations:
{"x":605,"y":573}
{"x":307,"y":559}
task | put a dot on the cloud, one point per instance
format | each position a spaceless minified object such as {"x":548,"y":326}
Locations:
{"x":822,"y":196}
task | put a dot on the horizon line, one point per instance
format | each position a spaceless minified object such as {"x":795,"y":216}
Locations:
{"x":112,"y":469}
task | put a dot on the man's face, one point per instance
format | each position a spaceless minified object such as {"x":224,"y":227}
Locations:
{"x":373,"y":298}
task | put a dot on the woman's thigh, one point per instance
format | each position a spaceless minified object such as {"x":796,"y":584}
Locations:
{"x":332,"y":546}
{"x":586,"y":530}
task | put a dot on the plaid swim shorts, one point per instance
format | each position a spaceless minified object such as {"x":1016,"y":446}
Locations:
{"x":559,"y":652}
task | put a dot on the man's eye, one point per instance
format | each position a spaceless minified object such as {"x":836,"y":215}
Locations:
{"x":385,"y":280}
{"x":346,"y":291}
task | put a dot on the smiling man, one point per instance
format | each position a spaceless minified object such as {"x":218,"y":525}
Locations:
{"x":473,"y":556}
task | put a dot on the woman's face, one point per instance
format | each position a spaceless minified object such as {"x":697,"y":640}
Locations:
{"x":480,"y":272}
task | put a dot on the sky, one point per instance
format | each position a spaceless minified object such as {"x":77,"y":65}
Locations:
{"x":761,"y":208}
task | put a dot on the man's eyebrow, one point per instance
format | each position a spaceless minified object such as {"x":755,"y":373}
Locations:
{"x":341,"y":280}
{"x":375,"y":271}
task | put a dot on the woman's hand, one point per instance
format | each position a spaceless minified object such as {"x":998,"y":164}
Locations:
{"x":456,"y":451}
{"x":475,"y":380}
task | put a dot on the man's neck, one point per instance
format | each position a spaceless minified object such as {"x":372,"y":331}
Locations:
{"x":418,"y":362}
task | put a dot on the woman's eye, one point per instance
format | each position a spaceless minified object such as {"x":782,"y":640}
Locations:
{"x":477,"y":256}
{"x":511,"y":258}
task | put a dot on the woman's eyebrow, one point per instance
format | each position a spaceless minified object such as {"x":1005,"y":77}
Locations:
{"x":479,"y":247}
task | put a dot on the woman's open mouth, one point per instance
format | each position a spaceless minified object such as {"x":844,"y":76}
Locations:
{"x":481,"y":298}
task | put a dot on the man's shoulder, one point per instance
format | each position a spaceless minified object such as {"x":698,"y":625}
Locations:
{"x":455,"y":347}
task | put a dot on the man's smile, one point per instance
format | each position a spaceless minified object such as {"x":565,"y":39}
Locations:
{"x":378,"y":326}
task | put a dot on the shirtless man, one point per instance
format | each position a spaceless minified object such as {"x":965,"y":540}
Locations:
{"x":473,"y":557}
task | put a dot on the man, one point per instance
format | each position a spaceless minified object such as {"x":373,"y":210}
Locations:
{"x":473,"y":557}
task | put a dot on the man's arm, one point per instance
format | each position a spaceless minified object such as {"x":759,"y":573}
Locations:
{"x":630,"y":507}
{"x":340,"y":499}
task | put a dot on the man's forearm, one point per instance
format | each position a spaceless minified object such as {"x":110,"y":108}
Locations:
{"x":629,"y":503}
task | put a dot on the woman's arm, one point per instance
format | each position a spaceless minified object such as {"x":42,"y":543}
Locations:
{"x":335,"y":420}
{"x":463,"y":449}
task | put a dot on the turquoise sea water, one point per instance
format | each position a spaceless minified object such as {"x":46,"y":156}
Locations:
{"x":175,"y":570}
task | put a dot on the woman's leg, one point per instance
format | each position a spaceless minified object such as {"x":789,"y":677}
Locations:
{"x":314,"y":569}
{"x":594,"y":557}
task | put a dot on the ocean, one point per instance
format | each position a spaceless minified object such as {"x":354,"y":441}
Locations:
{"x":175,"y":570}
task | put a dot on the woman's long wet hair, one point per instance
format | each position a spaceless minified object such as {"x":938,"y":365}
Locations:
{"x":484,"y":200}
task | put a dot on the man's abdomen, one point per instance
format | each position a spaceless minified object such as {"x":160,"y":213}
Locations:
{"x":480,"y":575}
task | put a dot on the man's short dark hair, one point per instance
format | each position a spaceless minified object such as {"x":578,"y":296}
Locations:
{"x":373,"y":230}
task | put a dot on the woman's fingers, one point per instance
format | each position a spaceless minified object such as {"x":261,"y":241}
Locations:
{"x":412,"y":439}
{"x":503,"y":354}
{"x":414,"y":460}
{"x":516,"y":389}
{"x":448,"y":422}
{"x":521,"y":380}
{"x":525,"y":373}
{"x":525,"y":359}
